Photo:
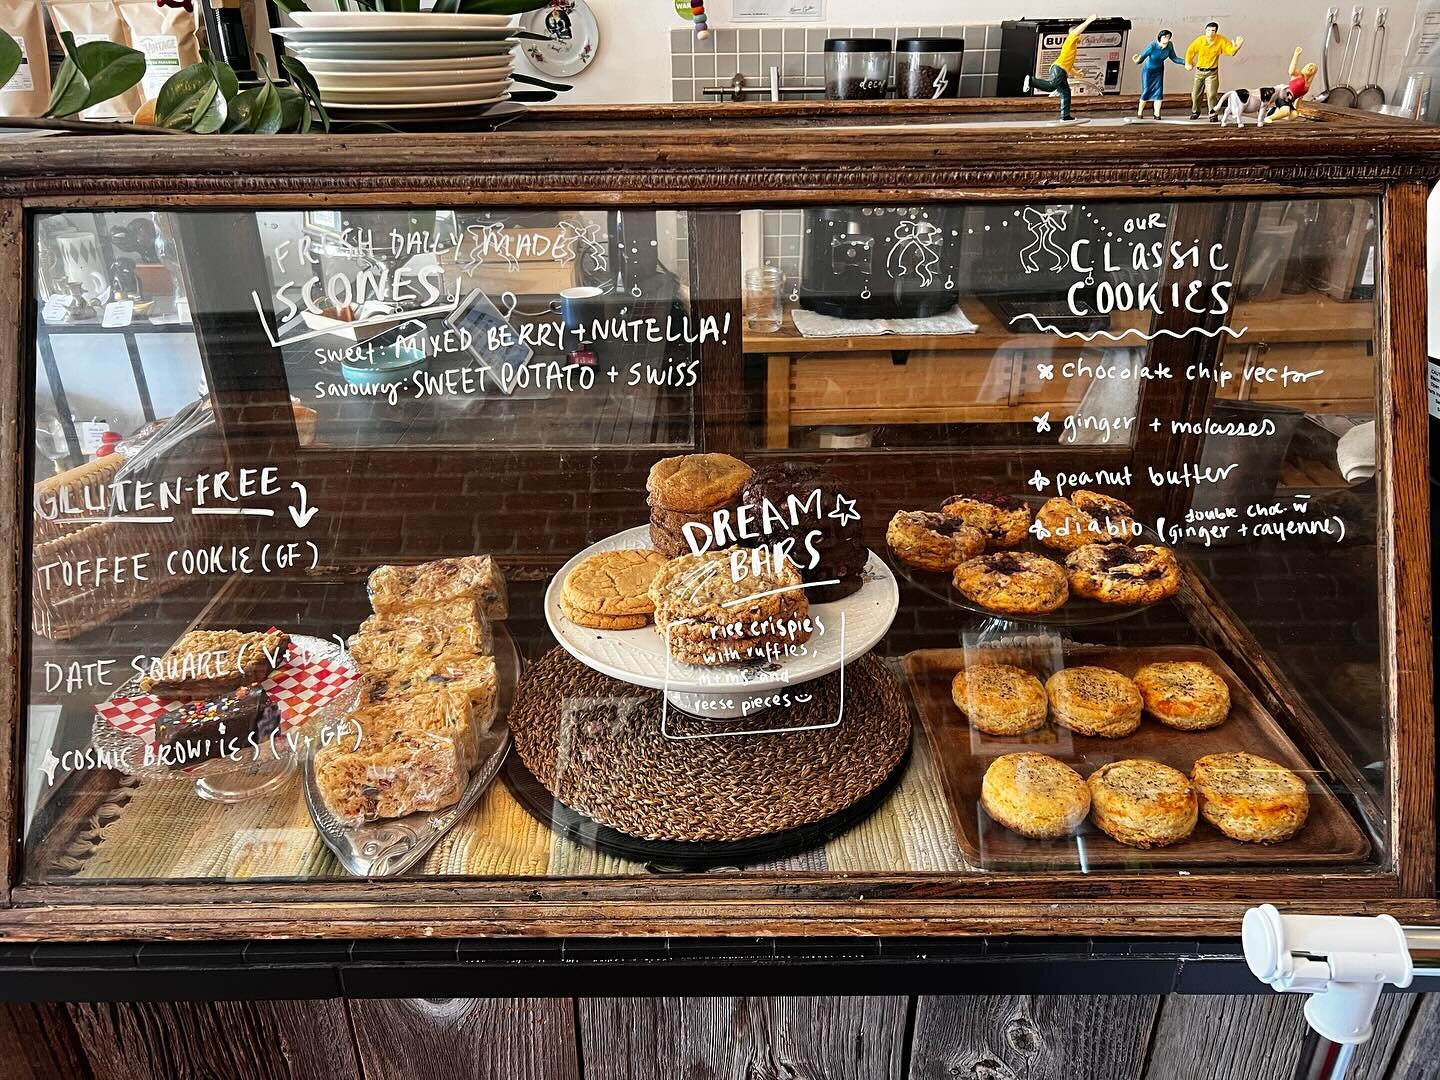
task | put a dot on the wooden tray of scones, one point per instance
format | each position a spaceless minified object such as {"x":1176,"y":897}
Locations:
{"x":1077,"y":763}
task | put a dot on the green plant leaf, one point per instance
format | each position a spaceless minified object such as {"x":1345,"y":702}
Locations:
{"x":191,"y":100}
{"x":446,"y":7}
{"x":306,"y":84}
{"x":288,"y":6}
{"x":411,"y":6}
{"x":71,"y":89}
{"x":110,"y":69}
{"x":256,"y":111}
{"x":533,"y":81}
{"x":10,"y":57}
{"x":224,"y":75}
{"x":294,"y":110}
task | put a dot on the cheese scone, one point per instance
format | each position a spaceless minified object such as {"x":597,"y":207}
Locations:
{"x":1094,"y":701}
{"x":1034,"y":795}
{"x":1142,"y":803}
{"x":999,"y":699}
{"x":1184,"y":694}
{"x":1248,"y":797}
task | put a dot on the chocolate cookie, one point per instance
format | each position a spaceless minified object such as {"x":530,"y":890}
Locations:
{"x":1004,"y":519}
{"x":1013,"y":582}
{"x":930,"y":541}
{"x":1086,"y":517}
{"x":1121,"y":574}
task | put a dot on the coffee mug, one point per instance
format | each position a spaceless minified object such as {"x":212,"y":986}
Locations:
{"x":579,"y":308}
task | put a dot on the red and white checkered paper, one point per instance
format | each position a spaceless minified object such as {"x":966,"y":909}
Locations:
{"x":299,"y":688}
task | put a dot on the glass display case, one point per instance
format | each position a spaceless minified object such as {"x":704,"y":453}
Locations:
{"x":682,"y":534}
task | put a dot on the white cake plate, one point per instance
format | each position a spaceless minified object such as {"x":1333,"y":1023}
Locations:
{"x":723,"y":691}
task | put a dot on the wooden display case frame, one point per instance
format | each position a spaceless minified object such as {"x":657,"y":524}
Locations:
{"x":727,"y":157}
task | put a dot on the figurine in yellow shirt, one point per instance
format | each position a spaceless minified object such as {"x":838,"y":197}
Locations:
{"x":1064,"y":66}
{"x":1203,"y":58}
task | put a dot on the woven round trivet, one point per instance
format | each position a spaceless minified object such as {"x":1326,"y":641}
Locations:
{"x":595,"y":744}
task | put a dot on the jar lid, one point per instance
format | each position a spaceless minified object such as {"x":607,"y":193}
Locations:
{"x":930,"y":44}
{"x":857,"y":44}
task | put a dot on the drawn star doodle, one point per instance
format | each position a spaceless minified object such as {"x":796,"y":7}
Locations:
{"x":843,"y":513}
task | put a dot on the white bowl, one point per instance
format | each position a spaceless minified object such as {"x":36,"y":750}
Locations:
{"x":466,"y":94}
{"x":389,"y":20}
{"x":371,"y":80}
{"x":442,"y":70}
{"x":427,"y":50}
{"x":299,"y":36}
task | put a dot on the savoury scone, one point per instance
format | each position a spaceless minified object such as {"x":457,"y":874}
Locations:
{"x":1142,"y":803}
{"x":1013,"y":582}
{"x":695,"y":483}
{"x":999,"y":699}
{"x":1034,"y":795}
{"x":1085,"y":517}
{"x":1184,"y":694}
{"x":1004,"y":519}
{"x":1123,"y":575}
{"x":932,"y":541}
{"x":1094,"y":701}
{"x":613,"y":582}
{"x":1248,"y":797}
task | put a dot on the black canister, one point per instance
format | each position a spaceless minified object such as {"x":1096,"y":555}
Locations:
{"x":928,"y":67}
{"x":856,"y":68}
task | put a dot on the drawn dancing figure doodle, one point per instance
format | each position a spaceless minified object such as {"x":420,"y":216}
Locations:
{"x":1043,"y":225}
{"x":915,"y":250}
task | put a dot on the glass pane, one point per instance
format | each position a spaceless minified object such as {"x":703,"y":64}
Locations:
{"x":614,"y":540}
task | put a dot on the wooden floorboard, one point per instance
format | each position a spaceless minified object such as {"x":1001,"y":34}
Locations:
{"x":1261,"y":1037}
{"x":473,"y":1038}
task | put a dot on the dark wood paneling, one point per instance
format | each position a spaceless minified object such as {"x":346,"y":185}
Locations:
{"x":475,"y":1038}
{"x":15,"y":333}
{"x":1419,"y":1056}
{"x":1079,"y":1038}
{"x":1374,"y":1059}
{"x":1228,"y":1038}
{"x":749,"y":1038}
{"x":256,"y":1040}
{"x":38,"y":1042}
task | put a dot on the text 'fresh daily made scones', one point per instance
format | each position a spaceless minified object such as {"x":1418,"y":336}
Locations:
{"x":999,"y":699}
{"x":1248,"y":797}
{"x":1184,"y":694}
{"x":1142,"y":803}
{"x":1085,"y":517}
{"x":930,"y":541}
{"x":1094,"y":701}
{"x":1122,"y":574}
{"x":1034,"y":795}
{"x":1013,"y":583}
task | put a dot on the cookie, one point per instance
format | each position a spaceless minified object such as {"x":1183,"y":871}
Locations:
{"x":595,"y":621}
{"x":1250,"y":798}
{"x":1184,"y":694}
{"x":1123,"y":575}
{"x":999,"y":699}
{"x":614,"y":582}
{"x":1003,"y":519}
{"x":675,"y":520}
{"x":1013,"y":582}
{"x":1086,"y":517}
{"x":694,"y":483}
{"x":801,"y":496}
{"x":930,"y":541}
{"x":668,"y":543}
{"x":1094,"y":701}
{"x":703,"y":588}
{"x":1142,"y":803}
{"x":1034,"y":795}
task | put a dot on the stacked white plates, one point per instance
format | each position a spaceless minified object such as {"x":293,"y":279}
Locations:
{"x":368,"y":64}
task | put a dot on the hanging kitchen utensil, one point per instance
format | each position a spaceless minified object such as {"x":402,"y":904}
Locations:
{"x":1344,"y":94}
{"x":1372,"y":94}
{"x":1330,"y":37}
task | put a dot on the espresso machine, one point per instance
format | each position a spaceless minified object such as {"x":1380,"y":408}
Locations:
{"x":880,"y":262}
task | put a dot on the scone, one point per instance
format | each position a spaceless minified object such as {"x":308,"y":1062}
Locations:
{"x":1248,"y":797}
{"x":611,"y":584}
{"x":1184,"y":694}
{"x":999,"y":699}
{"x":1094,"y":701}
{"x":1003,"y":519}
{"x":1086,"y":517}
{"x":1121,"y":574}
{"x":1142,"y":803}
{"x":931,"y":541}
{"x":1034,"y":795}
{"x":1013,"y":583}
{"x":696,"y":483}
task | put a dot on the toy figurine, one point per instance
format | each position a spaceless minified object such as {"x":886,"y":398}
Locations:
{"x":1061,"y":70}
{"x":1287,"y":96}
{"x":1203,"y":58}
{"x":1152,"y":70}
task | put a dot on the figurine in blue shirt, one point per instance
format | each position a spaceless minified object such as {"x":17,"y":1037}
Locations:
{"x":1152,"y":70}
